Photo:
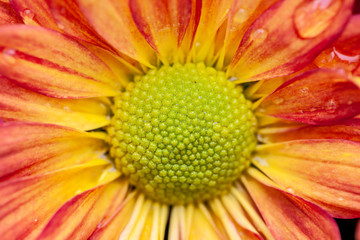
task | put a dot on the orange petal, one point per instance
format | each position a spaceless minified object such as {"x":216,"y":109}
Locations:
{"x":345,"y":52}
{"x":162,"y":22}
{"x":8,"y":14}
{"x":69,"y":19}
{"x":287,"y":37}
{"x":53,"y":64}
{"x":290,"y":217}
{"x":21,"y":104}
{"x":26,"y":204}
{"x":34,"y":12}
{"x":113,"y":21}
{"x":84,"y":211}
{"x":325,"y":172}
{"x":349,"y":130}
{"x":32,"y":148}
{"x":315,"y":97}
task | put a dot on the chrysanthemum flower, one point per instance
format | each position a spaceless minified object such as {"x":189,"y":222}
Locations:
{"x":178,"y":119}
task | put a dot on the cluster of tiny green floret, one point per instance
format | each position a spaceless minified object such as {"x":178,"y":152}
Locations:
{"x":182,"y":133}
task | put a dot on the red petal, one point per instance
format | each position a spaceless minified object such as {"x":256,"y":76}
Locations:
{"x":161,"y":22}
{"x":27,"y":204}
{"x":288,"y":36}
{"x":345,"y":52}
{"x":315,"y":97}
{"x":52,"y":64}
{"x":113,"y":21}
{"x":79,"y":217}
{"x":349,"y":130}
{"x":290,"y":217}
{"x":32,"y":148}
{"x":8,"y":14}
{"x":325,"y":172}
{"x":34,"y":12}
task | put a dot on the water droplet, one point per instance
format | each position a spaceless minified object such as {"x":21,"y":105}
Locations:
{"x":340,"y":198}
{"x":331,"y":106}
{"x":240,"y":16}
{"x":343,"y":57}
{"x":28,"y":14}
{"x":278,"y":100}
{"x":61,"y":26}
{"x":261,"y":161}
{"x":35,"y":220}
{"x":304,"y":90}
{"x":9,"y":54}
{"x":290,"y":190}
{"x":233,"y":79}
{"x":311,"y":18}
{"x":259,"y":35}
{"x":350,"y":102}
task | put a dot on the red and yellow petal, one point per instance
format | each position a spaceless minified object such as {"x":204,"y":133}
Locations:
{"x":324,"y":172}
{"x":52,"y":64}
{"x":160,"y":22}
{"x":33,"y":148}
{"x":34,"y":12}
{"x":19,"y":104}
{"x":26,"y":204}
{"x":348,"y":130}
{"x":8,"y":14}
{"x":314,"y":97}
{"x":84,"y":211}
{"x":345,"y":52}
{"x":123,"y":34}
{"x":69,"y":19}
{"x":290,"y":217}
{"x":287,"y":37}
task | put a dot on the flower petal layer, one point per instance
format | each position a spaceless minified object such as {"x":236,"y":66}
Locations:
{"x":26,"y":204}
{"x":161,"y":22}
{"x":53,"y":64}
{"x":32,"y":148}
{"x":290,"y":217}
{"x":324,"y":172}
{"x":8,"y":14}
{"x":34,"y":12}
{"x":349,"y":130}
{"x":123,"y":35}
{"x":135,"y":218}
{"x":69,"y":19}
{"x":17,"y":103}
{"x":193,"y":222}
{"x":345,"y":52}
{"x":287,"y":37}
{"x":84,"y":211}
{"x":315,"y":97}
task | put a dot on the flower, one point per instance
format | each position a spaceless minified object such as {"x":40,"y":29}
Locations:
{"x":179,"y":119}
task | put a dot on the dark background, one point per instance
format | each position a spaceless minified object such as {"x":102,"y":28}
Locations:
{"x":347,"y":226}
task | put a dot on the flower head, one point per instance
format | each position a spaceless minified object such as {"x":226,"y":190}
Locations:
{"x":178,"y":119}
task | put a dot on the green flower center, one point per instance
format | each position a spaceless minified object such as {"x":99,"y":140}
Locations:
{"x":182,"y":133}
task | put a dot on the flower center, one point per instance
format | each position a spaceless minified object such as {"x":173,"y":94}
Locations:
{"x":182,"y":133}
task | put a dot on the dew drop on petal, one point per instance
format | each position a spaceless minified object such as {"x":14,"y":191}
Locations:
{"x":340,"y":198}
{"x":278,"y":100}
{"x":311,"y":18}
{"x":27,"y":13}
{"x":240,"y":16}
{"x":304,"y":90}
{"x":9,"y":54}
{"x":259,"y":35}
{"x":331,"y":106}
{"x":261,"y":161}
{"x":290,"y":190}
